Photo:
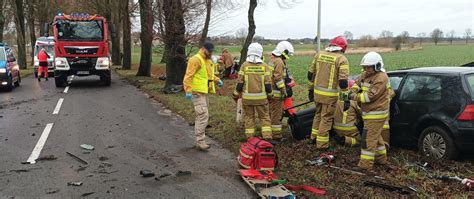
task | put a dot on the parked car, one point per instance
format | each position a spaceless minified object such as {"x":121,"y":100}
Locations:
{"x":433,"y":110}
{"x":9,"y":70}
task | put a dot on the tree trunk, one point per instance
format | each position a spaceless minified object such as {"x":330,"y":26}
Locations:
{"x":174,"y":39}
{"x":251,"y":32}
{"x":31,"y":26}
{"x":2,"y":19}
{"x":205,"y":30}
{"x":146,"y":37}
{"x":43,"y":15}
{"x":116,"y":12}
{"x":127,"y":37}
{"x":163,"y":57}
{"x":17,"y":6}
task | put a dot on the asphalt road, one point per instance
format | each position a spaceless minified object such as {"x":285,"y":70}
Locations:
{"x":129,"y":131}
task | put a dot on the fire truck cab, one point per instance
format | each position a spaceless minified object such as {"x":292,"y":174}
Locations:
{"x":81,"y":47}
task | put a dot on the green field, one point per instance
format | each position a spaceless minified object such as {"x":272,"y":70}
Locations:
{"x":430,"y":55}
{"x":443,"y":55}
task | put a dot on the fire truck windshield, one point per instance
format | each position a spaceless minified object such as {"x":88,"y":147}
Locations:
{"x":80,"y":30}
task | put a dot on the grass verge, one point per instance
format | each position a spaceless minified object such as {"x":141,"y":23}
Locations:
{"x":293,"y":154}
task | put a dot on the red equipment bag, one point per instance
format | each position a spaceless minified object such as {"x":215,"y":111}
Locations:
{"x":258,"y":154}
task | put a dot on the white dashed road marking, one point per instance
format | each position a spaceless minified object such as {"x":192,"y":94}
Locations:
{"x":58,"y":106}
{"x":39,"y":146}
{"x":66,"y":89}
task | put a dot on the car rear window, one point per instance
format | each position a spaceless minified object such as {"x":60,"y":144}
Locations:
{"x":470,"y":83}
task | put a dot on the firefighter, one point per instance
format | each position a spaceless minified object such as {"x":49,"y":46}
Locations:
{"x":345,"y":122}
{"x":254,"y":85}
{"x":328,"y":72}
{"x":198,"y":82}
{"x":43,"y":64}
{"x":375,"y":103}
{"x":282,"y":52}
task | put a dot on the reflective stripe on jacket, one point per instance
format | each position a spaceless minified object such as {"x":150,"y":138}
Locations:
{"x":254,"y":76}
{"x":374,"y":96}
{"x":327,"y":69}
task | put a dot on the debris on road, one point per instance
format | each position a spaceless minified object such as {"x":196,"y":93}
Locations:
{"x":78,"y":183}
{"x":183,"y":173}
{"x":33,"y":134}
{"x":103,"y":158}
{"x":165,"y":175}
{"x":24,"y":170}
{"x":52,"y":191}
{"x":81,"y":168}
{"x":87,"y":146}
{"x":147,"y":173}
{"x":105,"y":164}
{"x":86,"y":194}
{"x":77,"y":158}
{"x":47,"y":157}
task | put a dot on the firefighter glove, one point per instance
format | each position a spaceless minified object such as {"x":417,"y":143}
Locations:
{"x":311,"y":95}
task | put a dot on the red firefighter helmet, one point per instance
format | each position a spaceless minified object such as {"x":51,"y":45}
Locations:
{"x":339,"y":41}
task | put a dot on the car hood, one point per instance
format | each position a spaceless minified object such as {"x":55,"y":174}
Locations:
{"x":3,"y":64}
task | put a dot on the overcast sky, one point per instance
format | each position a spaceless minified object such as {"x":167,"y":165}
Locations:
{"x":361,"y":17}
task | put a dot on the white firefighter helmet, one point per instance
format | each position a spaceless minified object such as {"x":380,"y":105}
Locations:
{"x":284,"y":48}
{"x":255,"y":53}
{"x":373,"y":59}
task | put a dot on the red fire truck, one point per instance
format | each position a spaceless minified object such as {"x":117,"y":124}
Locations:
{"x":81,"y":47}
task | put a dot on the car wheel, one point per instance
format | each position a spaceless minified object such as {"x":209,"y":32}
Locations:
{"x":17,"y":83}
{"x":60,"y":81}
{"x":9,"y":84}
{"x":435,"y":142}
{"x":106,"y":79}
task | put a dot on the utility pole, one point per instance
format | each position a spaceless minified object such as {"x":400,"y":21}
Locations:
{"x":318,"y":48}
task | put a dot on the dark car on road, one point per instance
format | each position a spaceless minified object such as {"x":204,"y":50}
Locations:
{"x":9,"y":70}
{"x":433,"y":110}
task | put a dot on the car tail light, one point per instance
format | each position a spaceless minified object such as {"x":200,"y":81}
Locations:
{"x":467,"y":114}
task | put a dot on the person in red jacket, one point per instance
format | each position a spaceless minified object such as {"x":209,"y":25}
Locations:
{"x":43,"y":64}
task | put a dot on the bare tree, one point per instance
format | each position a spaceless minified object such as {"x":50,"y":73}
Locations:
{"x":385,"y":34}
{"x":404,"y":36}
{"x":116,"y":13}
{"x":467,"y":35}
{"x":2,"y":18}
{"x":17,"y":6}
{"x":436,"y":35}
{"x":127,"y":35}
{"x":146,"y":37}
{"x":421,"y":36}
{"x":251,"y":30}
{"x":450,"y":35}
{"x":175,"y":42}
{"x":348,"y":35}
{"x":206,"y":23}
{"x":30,"y":16}
{"x":241,"y":35}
